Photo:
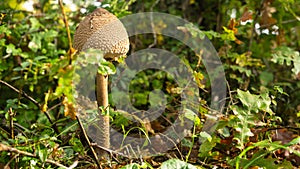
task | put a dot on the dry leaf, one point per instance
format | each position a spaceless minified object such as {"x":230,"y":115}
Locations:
{"x":232,"y":25}
{"x":280,"y":38}
{"x":148,"y":126}
{"x":247,"y":15}
{"x":266,"y":15}
{"x":69,"y":109}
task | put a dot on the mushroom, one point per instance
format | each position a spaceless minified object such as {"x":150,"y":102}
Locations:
{"x":104,"y":31}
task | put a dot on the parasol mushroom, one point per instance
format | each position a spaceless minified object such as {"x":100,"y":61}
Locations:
{"x":104,"y":31}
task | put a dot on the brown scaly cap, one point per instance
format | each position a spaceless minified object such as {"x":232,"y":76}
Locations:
{"x":102,"y":30}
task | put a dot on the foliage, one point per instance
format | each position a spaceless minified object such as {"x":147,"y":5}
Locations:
{"x":257,"y":41}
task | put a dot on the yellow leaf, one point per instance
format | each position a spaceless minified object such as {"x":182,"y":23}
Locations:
{"x":199,"y":79}
{"x":69,"y":109}
{"x":44,"y":107}
{"x":160,"y":39}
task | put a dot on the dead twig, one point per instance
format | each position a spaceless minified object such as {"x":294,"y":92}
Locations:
{"x":283,"y":22}
{"x":89,"y":143}
{"x":11,"y":123}
{"x":153,"y":26}
{"x":4,"y":147}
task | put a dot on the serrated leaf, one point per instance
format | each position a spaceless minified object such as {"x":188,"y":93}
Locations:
{"x":288,"y":56}
{"x":247,"y":99}
{"x":296,"y":63}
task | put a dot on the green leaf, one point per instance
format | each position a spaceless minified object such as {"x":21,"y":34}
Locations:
{"x":228,"y":35}
{"x":106,"y":68}
{"x":288,"y":56}
{"x":241,"y":70}
{"x":4,"y":29}
{"x":189,"y":114}
{"x":206,"y":147}
{"x":296,"y":62}
{"x":255,"y":102}
{"x":206,"y":136}
{"x":157,"y":98}
{"x":49,"y":35}
{"x":35,"y":43}
{"x":249,"y":100}
{"x":35,"y":24}
{"x":294,"y":141}
{"x":259,"y":160}
{"x":137,"y":166}
{"x":280,"y":90}
{"x":42,"y":153}
{"x":176,"y":164}
{"x":266,"y":78}
{"x":10,"y":48}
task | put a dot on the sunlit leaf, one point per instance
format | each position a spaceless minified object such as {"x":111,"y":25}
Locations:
{"x":206,"y":136}
{"x":176,"y":164}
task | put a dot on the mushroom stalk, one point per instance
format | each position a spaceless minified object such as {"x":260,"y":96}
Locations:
{"x":103,"y":123}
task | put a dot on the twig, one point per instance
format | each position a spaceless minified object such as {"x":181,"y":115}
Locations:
{"x":283,"y":22}
{"x":253,"y":26}
{"x":53,"y":107}
{"x":22,"y":93}
{"x":4,"y":147}
{"x":11,"y":123}
{"x":71,"y":50}
{"x":152,"y":26}
{"x":230,"y":97}
{"x":175,"y":145}
{"x":66,"y":22}
{"x":109,"y":150}
{"x":89,"y":143}
{"x":11,"y":159}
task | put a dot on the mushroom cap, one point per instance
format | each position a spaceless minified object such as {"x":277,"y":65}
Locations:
{"x":102,"y":30}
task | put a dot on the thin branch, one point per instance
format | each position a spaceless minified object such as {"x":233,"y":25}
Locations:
{"x":11,"y":123}
{"x":152,"y":26}
{"x":89,"y":143}
{"x":22,"y":93}
{"x":253,"y":26}
{"x":66,"y":22}
{"x":11,"y":160}
{"x":4,"y":147}
{"x":283,"y":22}
{"x":110,"y":151}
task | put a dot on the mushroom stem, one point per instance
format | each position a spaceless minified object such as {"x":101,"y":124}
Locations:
{"x":103,"y":137}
